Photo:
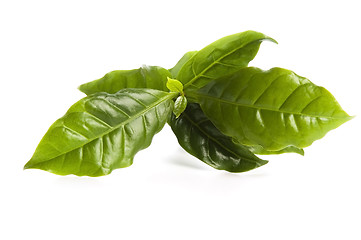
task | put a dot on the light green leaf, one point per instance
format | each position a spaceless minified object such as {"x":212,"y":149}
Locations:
{"x":290,"y":149}
{"x":152,"y":77}
{"x":102,"y":132}
{"x":174,"y":71}
{"x":220,"y":58}
{"x":174,"y":85}
{"x":180,"y":105}
{"x":199,"y":137}
{"x":274,"y":108}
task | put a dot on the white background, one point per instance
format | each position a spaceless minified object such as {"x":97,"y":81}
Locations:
{"x":48,"y":48}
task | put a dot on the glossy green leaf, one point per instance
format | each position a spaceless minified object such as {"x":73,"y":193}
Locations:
{"x":180,"y":105}
{"x":199,"y":137}
{"x":274,"y":108}
{"x":102,"y":132}
{"x":152,"y":77}
{"x":220,"y":58}
{"x":290,"y":149}
{"x":174,"y":85}
{"x":174,"y":71}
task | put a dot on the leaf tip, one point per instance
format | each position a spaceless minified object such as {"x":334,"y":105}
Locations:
{"x":262,"y":162}
{"x":28,"y":165}
{"x":271,"y":40}
{"x":347,"y":118}
{"x":351,"y":117}
{"x":81,"y":88}
{"x":301,"y":152}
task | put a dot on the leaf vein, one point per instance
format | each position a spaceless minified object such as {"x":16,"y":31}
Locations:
{"x":116,"y":107}
{"x":262,"y":108}
{"x":268,"y":87}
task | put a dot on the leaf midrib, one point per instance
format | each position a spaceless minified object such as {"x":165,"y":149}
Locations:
{"x":263,"y":108}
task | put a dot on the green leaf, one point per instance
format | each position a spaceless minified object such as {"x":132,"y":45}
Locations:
{"x":274,"y":108}
{"x":199,"y":137}
{"x":174,"y":71}
{"x":220,"y":58}
{"x":290,"y":149}
{"x":174,"y":85}
{"x":180,"y":105}
{"x":102,"y":132}
{"x":152,"y":77}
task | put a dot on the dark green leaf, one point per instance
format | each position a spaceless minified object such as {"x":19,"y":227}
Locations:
{"x":102,"y":132}
{"x":220,"y":58}
{"x":174,"y":71}
{"x":152,"y":77}
{"x":180,"y":105}
{"x":199,"y":137}
{"x":274,"y":108}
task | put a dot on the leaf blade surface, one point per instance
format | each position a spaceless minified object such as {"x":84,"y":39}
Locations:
{"x":152,"y":77}
{"x":275,"y":108}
